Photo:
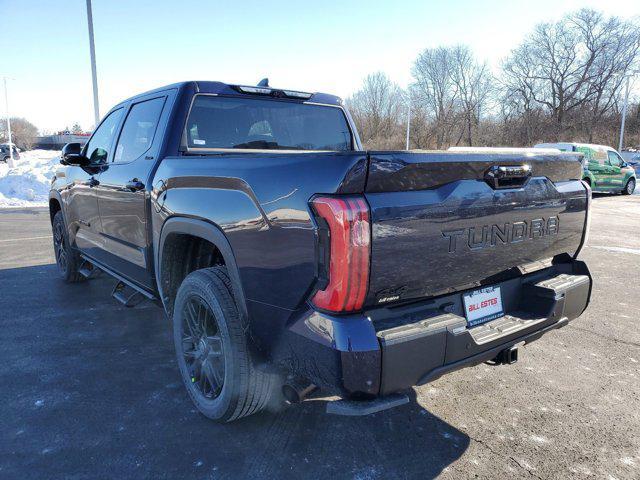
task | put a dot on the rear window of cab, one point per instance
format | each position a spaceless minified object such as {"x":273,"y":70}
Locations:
{"x":217,"y":122}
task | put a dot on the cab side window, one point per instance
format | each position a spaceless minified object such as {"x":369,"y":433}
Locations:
{"x":138,"y":130}
{"x":99,"y":145}
{"x":614,"y":159}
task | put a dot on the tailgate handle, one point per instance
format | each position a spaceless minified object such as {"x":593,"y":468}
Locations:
{"x":507,"y":176}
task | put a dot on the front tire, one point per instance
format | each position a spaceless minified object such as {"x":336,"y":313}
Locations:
{"x":212,"y":349}
{"x":630,"y":187}
{"x":67,"y":258}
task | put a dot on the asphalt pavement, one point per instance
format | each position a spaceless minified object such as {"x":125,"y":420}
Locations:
{"x":90,"y":389}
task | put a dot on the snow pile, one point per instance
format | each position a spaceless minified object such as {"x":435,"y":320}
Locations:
{"x":28,"y":183}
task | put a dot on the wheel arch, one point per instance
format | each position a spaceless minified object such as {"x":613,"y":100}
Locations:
{"x":55,"y":205}
{"x":204,"y":230}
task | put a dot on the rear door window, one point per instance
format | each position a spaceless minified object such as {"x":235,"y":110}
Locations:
{"x":138,"y":130}
{"x":245,"y":123}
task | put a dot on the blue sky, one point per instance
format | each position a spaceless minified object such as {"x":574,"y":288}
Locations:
{"x":315,"y":46}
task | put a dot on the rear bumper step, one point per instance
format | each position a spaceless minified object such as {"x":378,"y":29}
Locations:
{"x":388,"y":349}
{"x":419,"y":352}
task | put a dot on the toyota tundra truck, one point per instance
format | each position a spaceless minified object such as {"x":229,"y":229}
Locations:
{"x":289,"y":260}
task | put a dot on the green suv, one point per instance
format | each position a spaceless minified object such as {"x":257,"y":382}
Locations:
{"x":603,"y":168}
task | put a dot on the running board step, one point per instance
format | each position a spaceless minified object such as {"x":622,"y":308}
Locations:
{"x":127,"y":295}
{"x":88,"y":270}
{"x":126,"y":292}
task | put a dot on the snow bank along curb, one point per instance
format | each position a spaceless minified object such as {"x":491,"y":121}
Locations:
{"x":28,"y":183}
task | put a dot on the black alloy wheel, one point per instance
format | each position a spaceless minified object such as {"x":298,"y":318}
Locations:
{"x":60,"y":247}
{"x":67,"y":258}
{"x":202,"y":347}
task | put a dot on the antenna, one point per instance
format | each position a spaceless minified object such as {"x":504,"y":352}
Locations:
{"x":263,"y":83}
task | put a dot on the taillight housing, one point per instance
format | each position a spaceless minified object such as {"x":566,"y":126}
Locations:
{"x":347,"y":221}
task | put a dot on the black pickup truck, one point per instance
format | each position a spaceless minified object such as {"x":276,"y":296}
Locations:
{"x":289,"y":259}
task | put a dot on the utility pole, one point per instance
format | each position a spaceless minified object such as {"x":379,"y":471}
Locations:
{"x":624,"y":116}
{"x":6,"y":102}
{"x":94,"y":76}
{"x":408,"y":122}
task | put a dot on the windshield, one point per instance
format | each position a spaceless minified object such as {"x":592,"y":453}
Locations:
{"x":248,"y":123}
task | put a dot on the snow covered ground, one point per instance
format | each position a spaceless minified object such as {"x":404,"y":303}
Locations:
{"x":28,"y":183}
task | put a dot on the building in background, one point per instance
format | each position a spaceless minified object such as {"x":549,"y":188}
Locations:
{"x":59,"y":140}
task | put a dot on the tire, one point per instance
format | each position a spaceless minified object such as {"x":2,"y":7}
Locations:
{"x":67,"y":258}
{"x":208,"y":332}
{"x":629,"y":187}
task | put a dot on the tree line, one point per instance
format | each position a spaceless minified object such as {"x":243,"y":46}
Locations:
{"x":23,"y":133}
{"x":565,"y":81}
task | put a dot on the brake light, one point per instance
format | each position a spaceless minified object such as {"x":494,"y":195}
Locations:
{"x":349,"y":251}
{"x":273,"y":92}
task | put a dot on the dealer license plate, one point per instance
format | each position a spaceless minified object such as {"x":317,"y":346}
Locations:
{"x":481,"y":306}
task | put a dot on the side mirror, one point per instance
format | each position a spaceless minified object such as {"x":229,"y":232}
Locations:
{"x":72,"y":155}
{"x":624,"y":165}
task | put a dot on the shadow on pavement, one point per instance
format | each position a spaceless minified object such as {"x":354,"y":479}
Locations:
{"x":90,"y":389}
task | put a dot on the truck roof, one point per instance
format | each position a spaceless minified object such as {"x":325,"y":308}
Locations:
{"x":231,"y":89}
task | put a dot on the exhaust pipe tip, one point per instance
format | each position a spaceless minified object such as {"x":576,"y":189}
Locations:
{"x":297,"y":391}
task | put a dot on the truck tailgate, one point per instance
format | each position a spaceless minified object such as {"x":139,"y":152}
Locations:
{"x":445,"y":221}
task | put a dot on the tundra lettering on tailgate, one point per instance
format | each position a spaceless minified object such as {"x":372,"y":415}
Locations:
{"x":483,"y":236}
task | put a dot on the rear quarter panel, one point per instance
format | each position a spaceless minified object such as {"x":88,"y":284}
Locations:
{"x":260,"y":202}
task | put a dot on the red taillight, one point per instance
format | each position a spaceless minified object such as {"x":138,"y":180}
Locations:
{"x":350,"y":246}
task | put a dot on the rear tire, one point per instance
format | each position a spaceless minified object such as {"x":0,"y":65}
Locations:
{"x":629,"y":187}
{"x":67,"y":258}
{"x":212,"y":349}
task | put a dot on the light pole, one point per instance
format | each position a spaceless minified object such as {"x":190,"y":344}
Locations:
{"x":94,"y":76}
{"x":624,"y":108}
{"x":408,"y":122}
{"x":6,"y":102}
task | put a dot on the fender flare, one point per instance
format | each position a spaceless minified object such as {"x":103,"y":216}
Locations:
{"x":55,"y":195}
{"x":213,"y":234}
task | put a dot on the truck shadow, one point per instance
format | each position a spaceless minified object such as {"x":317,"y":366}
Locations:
{"x":405,"y":442}
{"x":91,"y":389}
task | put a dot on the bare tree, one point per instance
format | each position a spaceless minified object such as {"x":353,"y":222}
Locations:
{"x":23,"y":133}
{"x":377,"y":109}
{"x":572,"y":64}
{"x":472,"y":81}
{"x":615,"y":44}
{"x":435,"y":90}
{"x":563,"y":82}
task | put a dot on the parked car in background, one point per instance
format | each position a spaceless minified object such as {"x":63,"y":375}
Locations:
{"x":604,"y":169}
{"x":633,"y":159}
{"x":5,"y":154}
